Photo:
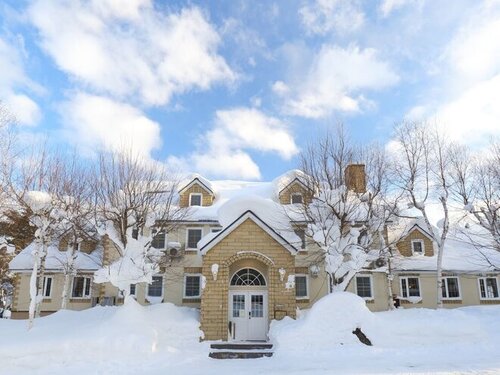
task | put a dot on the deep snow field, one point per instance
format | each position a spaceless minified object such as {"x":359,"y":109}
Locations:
{"x":164,"y":339}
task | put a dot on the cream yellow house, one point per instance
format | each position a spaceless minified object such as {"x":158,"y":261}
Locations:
{"x":242,"y":266}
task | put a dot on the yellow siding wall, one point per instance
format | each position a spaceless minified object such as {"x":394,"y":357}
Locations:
{"x":244,"y":243}
{"x":404,"y":246}
{"x":206,"y":200}
{"x":286,"y":195}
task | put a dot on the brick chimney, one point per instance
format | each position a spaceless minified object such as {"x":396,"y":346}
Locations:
{"x":355,"y":178}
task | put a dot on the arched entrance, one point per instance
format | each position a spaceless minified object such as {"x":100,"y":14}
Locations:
{"x":248,"y":305}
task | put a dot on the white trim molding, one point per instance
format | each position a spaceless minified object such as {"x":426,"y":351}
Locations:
{"x":196,"y":195}
{"x":307,"y":286}
{"x":370,"y":277}
{"x":186,"y":275}
{"x":187,"y":237}
{"x":485,"y":286}
{"x":422,"y":246}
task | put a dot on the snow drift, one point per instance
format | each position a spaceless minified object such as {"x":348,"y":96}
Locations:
{"x":106,"y":333}
{"x":329,"y":322}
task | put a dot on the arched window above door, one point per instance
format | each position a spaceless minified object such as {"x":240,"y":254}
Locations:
{"x":248,"y":277}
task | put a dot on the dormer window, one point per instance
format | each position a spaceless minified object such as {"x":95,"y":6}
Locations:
{"x":296,"y":198}
{"x":417,"y":247}
{"x":195,"y":199}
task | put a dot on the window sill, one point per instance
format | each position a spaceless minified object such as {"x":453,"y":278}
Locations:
{"x":191,"y":300}
{"x":490,"y":301}
{"x":452,"y":301}
{"x":80,"y":300}
{"x":302,"y":300}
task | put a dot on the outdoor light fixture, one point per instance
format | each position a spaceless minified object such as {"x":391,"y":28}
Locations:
{"x":282,"y":273}
{"x":215,"y":270}
{"x":314,"y":270}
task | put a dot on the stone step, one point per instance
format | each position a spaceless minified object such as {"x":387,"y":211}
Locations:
{"x":242,"y":346}
{"x":239,"y":355}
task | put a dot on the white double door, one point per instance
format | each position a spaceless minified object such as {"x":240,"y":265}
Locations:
{"x":248,"y":315}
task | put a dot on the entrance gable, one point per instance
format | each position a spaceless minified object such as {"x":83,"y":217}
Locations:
{"x":246,"y":231}
{"x":247,"y":244}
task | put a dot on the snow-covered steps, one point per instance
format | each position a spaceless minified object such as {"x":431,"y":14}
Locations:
{"x":241,"y":350}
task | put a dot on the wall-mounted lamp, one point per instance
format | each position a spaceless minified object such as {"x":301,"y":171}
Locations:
{"x":215,"y":270}
{"x":282,"y":272}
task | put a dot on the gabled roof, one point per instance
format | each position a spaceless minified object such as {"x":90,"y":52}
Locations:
{"x":213,"y":239}
{"x":286,"y":179}
{"x":295,"y":180}
{"x":199,"y":181}
{"x":424,"y":231}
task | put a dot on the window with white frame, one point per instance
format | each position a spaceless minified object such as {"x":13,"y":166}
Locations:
{"x":301,"y":286}
{"x":155,"y":289}
{"x":159,"y":240}
{"x":450,"y":288}
{"x":132,"y":289}
{"x":81,"y":287}
{"x":296,"y":198}
{"x":410,"y":287}
{"x":193,"y":236}
{"x":195,"y":199}
{"x":192,"y":286}
{"x":488,"y":288}
{"x":364,"y":286}
{"x":417,"y":247}
{"x":47,"y":286}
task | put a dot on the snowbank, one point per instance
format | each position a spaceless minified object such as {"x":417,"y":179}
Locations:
{"x":329,"y":322}
{"x":130,"y":332}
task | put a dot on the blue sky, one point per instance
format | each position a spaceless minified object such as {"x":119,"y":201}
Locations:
{"x":235,"y":89}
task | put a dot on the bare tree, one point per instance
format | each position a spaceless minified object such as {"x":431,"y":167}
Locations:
{"x":75,"y":200}
{"x":477,"y":187}
{"x":30,"y":184}
{"x":135,"y":200}
{"x":346,"y":218}
{"x":422,"y":170}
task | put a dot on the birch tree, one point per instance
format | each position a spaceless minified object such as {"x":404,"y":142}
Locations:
{"x":422,"y":170}
{"x":135,"y":200}
{"x":477,"y":187}
{"x":31,"y":181}
{"x":346,"y":223}
{"x":75,"y":200}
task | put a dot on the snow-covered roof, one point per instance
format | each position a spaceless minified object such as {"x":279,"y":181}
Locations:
{"x":193,"y":178}
{"x":468,"y":247}
{"x":56,"y":260}
{"x":401,"y":227}
{"x":458,"y":256}
{"x":282,"y":237}
{"x":288,"y":178}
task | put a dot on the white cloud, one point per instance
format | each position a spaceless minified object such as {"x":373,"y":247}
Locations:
{"x":25,"y":110}
{"x":14,"y":79}
{"x":324,"y":16}
{"x":130,"y":49}
{"x":334,"y":81}
{"x":94,"y":120}
{"x":280,"y":88}
{"x":475,"y":50}
{"x":388,"y":6}
{"x":474,"y":116}
{"x":223,"y":150}
{"x":467,"y":107}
